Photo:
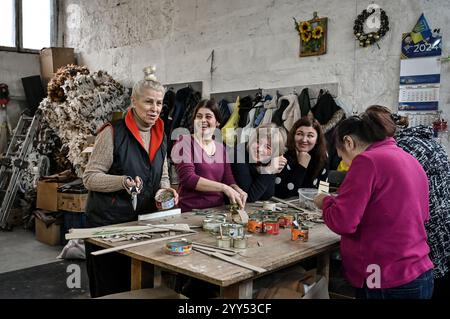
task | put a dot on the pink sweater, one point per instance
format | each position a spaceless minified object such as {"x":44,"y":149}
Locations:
{"x":380,"y":212}
{"x":215,"y":168}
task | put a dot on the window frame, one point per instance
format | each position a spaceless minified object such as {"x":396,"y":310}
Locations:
{"x":54,"y":8}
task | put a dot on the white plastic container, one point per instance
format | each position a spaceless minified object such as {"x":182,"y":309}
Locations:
{"x":306,"y":198}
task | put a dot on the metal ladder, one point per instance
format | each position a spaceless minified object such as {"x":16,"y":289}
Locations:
{"x":14,"y":163}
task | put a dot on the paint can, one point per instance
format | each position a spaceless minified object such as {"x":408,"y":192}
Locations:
{"x":240,"y":243}
{"x":255,"y":226}
{"x":164,"y":199}
{"x":224,"y":241}
{"x":271,"y":227}
{"x":179,"y":248}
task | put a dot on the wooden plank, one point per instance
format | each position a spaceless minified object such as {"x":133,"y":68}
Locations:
{"x":243,"y":290}
{"x":146,"y":242}
{"x":142,"y":275}
{"x":323,"y":265}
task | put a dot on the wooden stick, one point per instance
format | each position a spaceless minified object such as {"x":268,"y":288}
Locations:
{"x":215,"y":250}
{"x":287,"y":203}
{"x":211,"y":246}
{"x":231,"y":260}
{"x":150,"y":241}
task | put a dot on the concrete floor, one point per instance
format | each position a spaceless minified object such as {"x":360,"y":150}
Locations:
{"x":30,"y":269}
{"x":19,"y":249}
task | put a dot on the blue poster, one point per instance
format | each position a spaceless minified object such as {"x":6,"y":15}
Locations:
{"x":423,"y":48}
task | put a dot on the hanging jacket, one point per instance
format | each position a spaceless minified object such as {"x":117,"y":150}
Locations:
{"x":224,"y":111}
{"x":187,"y":120}
{"x":329,"y":114}
{"x":304,"y":102}
{"x":245,"y":106}
{"x":167,"y":109}
{"x":277,"y":116}
{"x":270,"y":106}
{"x":229,"y":129}
{"x":292,"y":113}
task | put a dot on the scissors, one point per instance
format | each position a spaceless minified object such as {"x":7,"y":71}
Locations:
{"x":134,"y":191}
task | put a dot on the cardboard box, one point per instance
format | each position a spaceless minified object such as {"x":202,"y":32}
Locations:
{"x":54,"y":58}
{"x":47,"y":196}
{"x":72,"y":202}
{"x":47,"y":235}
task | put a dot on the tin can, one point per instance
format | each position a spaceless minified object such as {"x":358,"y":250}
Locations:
{"x":212,"y":222}
{"x":240,"y":243}
{"x":302,"y":234}
{"x":233,"y":230}
{"x":288,"y":220}
{"x":224,"y":242}
{"x":271,"y":227}
{"x":282,"y":221}
{"x":164,"y":199}
{"x":179,"y":248}
{"x":255,"y":226}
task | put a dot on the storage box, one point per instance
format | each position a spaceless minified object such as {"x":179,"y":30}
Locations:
{"x":72,"y":202}
{"x":54,"y":58}
{"x":47,"y":196}
{"x":47,"y":235}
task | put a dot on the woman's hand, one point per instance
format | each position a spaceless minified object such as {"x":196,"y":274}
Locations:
{"x":318,"y":200}
{"x":130,"y":182}
{"x":243,"y":194}
{"x":175,"y":194}
{"x":279,"y":164}
{"x":275,"y":166}
{"x":303,"y":158}
{"x":233,"y":196}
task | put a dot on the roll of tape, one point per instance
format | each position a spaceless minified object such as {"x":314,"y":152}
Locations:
{"x":269,"y":206}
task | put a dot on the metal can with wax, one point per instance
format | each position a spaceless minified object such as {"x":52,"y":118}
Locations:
{"x":164,"y":199}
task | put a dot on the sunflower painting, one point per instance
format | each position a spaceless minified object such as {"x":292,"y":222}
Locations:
{"x":313,"y":36}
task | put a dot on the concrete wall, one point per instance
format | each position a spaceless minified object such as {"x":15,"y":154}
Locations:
{"x":255,"y":43}
{"x":13,"y":67}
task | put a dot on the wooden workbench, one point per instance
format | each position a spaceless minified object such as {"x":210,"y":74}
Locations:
{"x":272,"y":252}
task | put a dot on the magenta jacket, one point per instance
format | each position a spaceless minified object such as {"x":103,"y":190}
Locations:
{"x":380,"y":213}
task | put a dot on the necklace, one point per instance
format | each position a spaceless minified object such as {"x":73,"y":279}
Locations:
{"x":209,"y":148}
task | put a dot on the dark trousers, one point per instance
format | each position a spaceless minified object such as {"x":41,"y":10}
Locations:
{"x":419,"y":288}
{"x":109,"y":273}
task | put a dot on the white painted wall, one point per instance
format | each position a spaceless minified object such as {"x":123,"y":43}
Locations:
{"x":13,"y":67}
{"x":255,"y":43}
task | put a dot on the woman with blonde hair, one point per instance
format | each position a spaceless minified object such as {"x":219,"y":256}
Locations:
{"x":257,"y":162}
{"x":127,"y":154}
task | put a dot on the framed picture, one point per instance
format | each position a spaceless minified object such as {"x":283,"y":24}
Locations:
{"x":313,"y":36}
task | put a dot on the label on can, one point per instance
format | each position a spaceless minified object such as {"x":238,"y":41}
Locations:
{"x":271,"y":227}
{"x":179,"y":248}
{"x":255,"y":226}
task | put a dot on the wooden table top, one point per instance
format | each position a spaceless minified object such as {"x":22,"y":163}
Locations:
{"x":272,"y":252}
